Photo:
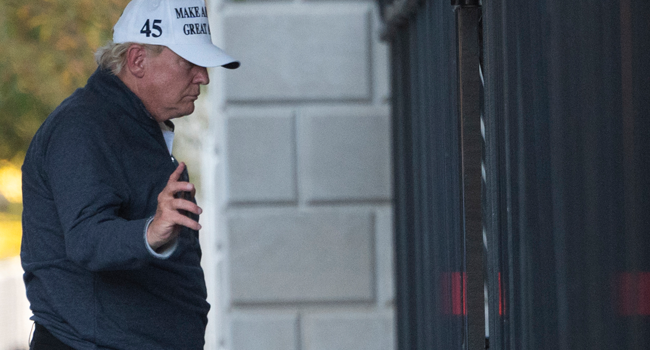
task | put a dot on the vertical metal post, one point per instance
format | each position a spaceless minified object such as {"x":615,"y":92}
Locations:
{"x":469,"y":85}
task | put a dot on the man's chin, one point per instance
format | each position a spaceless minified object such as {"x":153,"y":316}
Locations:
{"x":184,"y":113}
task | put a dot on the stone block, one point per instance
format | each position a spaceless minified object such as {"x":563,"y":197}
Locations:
{"x":261,"y":159}
{"x":360,"y":331}
{"x":299,"y":53}
{"x":385,"y":257}
{"x":382,"y":72}
{"x":344,"y":157}
{"x":302,"y":257}
{"x":264,"y":332}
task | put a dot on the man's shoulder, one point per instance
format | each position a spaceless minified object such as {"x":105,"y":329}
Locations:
{"x":78,"y":120}
{"x":80,"y":111}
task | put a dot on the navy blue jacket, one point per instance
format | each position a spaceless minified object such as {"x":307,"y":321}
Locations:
{"x":91,"y":178}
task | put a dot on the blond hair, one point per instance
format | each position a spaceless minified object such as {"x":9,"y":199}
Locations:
{"x":112,"y":56}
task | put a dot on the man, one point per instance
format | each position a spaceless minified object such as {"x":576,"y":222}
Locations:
{"x":110,"y":226}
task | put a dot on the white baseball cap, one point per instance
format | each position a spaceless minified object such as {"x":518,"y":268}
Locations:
{"x":181,"y":25}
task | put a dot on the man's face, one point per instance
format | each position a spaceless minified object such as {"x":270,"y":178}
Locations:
{"x":171,"y":85}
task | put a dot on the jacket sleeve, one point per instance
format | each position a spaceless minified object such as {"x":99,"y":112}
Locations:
{"x":89,"y":190}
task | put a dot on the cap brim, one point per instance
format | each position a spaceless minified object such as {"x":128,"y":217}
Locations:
{"x":205,"y":55}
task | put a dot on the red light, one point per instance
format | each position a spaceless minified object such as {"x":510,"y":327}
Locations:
{"x":454,"y":294}
{"x":633,"y":293}
{"x":501,"y":301}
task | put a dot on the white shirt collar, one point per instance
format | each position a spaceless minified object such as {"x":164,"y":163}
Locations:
{"x":168,"y":134}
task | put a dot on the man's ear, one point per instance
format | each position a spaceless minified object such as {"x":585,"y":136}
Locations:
{"x":135,"y":60}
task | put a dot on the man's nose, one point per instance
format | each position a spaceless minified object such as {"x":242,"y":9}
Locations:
{"x":201,"y":76}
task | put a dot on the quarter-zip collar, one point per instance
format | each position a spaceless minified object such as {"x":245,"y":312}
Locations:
{"x":112,"y":88}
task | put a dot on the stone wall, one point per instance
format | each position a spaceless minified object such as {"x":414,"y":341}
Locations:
{"x":296,"y":179}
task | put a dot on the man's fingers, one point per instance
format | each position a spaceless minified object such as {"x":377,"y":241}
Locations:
{"x":171,"y":212}
{"x":175,"y":187}
{"x":183,"y":220}
{"x":177,"y":173}
{"x":164,"y":229}
{"x":184,"y":204}
{"x":170,"y":217}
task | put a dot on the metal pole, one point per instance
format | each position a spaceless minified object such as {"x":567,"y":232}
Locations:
{"x":469,"y":85}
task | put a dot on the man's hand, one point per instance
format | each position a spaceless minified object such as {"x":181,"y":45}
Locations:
{"x":167,"y":222}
